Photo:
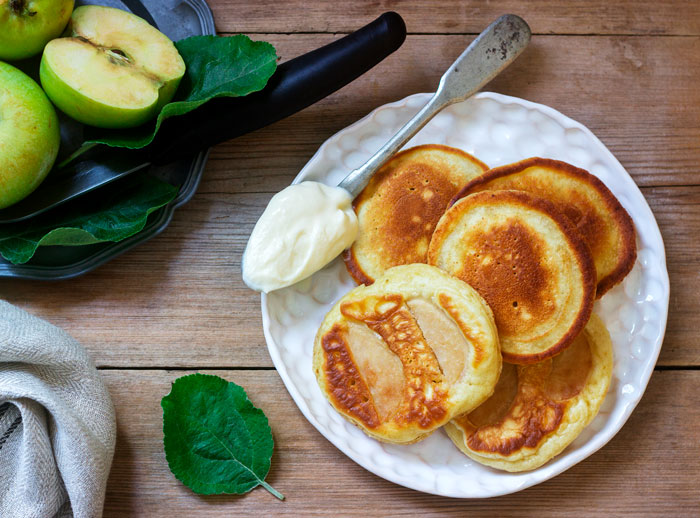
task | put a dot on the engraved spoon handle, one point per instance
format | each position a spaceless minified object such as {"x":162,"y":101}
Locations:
{"x":491,"y":52}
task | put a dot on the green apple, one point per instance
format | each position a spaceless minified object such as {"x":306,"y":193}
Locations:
{"x":114,"y":70}
{"x":29,"y":135}
{"x":27,"y":25}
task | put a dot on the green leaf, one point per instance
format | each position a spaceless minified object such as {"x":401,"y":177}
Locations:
{"x":117,"y":218}
{"x":215,"y":440}
{"x":217,"y":66}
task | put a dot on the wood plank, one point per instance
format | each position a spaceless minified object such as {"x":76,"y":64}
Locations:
{"x":179,"y":299}
{"x":639,"y":95}
{"x":192,"y":309}
{"x":677,"y":211}
{"x":455,"y":16}
{"x":627,"y":69}
{"x":648,"y":470}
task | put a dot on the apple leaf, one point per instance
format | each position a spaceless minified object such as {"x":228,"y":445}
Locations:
{"x":217,"y":66}
{"x":121,"y":216}
{"x":215,"y":440}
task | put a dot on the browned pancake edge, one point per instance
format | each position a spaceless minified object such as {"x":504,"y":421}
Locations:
{"x":580,"y":251}
{"x":352,"y":264}
{"x":617,"y":212}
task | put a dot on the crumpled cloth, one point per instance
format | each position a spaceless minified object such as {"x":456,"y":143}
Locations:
{"x":57,"y":423}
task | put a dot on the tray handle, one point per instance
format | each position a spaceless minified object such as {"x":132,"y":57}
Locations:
{"x":295,"y":85}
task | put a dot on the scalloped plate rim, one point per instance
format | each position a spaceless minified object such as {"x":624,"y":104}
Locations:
{"x":572,"y":458}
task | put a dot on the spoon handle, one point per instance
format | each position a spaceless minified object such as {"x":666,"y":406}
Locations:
{"x":491,"y":52}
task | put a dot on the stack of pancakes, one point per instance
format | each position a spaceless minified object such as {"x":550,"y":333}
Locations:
{"x":494,"y":337}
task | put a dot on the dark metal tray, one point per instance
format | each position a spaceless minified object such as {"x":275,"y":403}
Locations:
{"x":177,"y":19}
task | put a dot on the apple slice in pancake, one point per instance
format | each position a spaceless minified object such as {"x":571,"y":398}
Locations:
{"x":538,"y":410}
{"x":403,"y":356}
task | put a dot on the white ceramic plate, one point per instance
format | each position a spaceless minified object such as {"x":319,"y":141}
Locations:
{"x":498,"y":130}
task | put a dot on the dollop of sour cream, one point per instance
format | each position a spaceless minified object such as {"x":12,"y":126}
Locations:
{"x":303,"y":228}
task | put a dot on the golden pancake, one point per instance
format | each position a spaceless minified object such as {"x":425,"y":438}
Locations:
{"x":402,"y":357}
{"x":603,"y":223}
{"x":538,"y":410}
{"x":399,"y":208}
{"x":527,"y":261}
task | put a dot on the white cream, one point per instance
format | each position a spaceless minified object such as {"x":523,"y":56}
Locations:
{"x":303,"y":228}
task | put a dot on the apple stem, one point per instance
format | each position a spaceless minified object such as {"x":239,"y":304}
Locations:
{"x":20,"y":8}
{"x":82,"y":149}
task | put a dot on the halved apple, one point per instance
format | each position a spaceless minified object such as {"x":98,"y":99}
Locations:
{"x":114,"y":71}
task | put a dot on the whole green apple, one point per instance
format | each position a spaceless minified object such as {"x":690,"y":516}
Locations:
{"x":27,"y":25}
{"x":113,"y":70}
{"x":29,"y":135}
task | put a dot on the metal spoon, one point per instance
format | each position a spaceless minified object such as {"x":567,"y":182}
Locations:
{"x":491,"y":52}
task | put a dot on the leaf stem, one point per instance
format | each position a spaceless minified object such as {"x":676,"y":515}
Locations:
{"x":272,"y":490}
{"x":82,"y":149}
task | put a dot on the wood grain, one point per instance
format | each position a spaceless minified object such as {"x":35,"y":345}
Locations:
{"x":181,"y":302}
{"x":628,"y":69}
{"x":637,"y":94}
{"x":672,"y":17}
{"x":637,"y":474}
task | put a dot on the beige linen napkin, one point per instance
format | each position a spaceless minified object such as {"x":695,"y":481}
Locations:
{"x":57,"y":425}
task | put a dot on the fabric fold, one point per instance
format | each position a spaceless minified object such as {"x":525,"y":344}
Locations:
{"x":57,"y":423}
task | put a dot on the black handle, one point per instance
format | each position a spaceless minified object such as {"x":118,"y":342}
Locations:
{"x":137,"y":7}
{"x":295,"y":85}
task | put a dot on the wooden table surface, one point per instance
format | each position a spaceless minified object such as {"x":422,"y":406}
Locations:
{"x":628,"y":70}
